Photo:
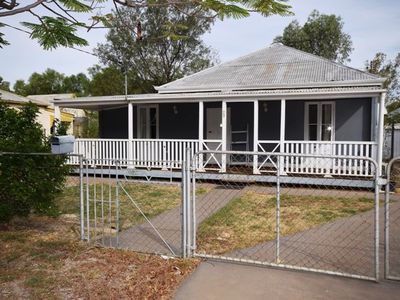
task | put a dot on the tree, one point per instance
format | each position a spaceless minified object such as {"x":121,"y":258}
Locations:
{"x":157,"y":56}
{"x":27,"y":182}
{"x":110,"y":81}
{"x":4,"y":85}
{"x":59,"y":20}
{"x":78,"y":84}
{"x":53,"y":82}
{"x":321,"y":35}
{"x":389,"y":69}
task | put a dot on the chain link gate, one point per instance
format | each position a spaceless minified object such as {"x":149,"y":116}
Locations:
{"x":138,"y":215}
{"x":303,"y":212}
{"x":392,"y":220}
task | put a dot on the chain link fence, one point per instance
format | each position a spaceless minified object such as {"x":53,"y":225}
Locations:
{"x":392,"y":220}
{"x":304,"y":220}
{"x":312,"y":217}
{"x":123,"y":208}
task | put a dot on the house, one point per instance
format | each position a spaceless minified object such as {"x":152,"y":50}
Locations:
{"x":76,"y":123}
{"x":46,"y":111}
{"x":277,"y":99}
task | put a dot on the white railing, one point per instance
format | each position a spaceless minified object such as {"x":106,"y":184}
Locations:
{"x":147,"y":153}
{"x":270,"y":146}
{"x":170,"y":153}
{"x":101,"y":151}
{"x":211,"y":161}
{"x":162,"y":153}
{"x":321,"y":166}
{"x":330,"y":166}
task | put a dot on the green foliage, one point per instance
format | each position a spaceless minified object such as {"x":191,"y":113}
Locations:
{"x":111,"y":81}
{"x":170,"y":45}
{"x":389,"y":69}
{"x":28,"y":183}
{"x":54,"y":32}
{"x":92,"y":130}
{"x":76,"y":5}
{"x":241,"y":8}
{"x":53,"y":82}
{"x":78,"y":84}
{"x":4,"y":85}
{"x":321,"y":35}
{"x":3,"y":42}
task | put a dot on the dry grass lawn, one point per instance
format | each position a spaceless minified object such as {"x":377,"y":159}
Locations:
{"x":42,"y":258}
{"x":152,"y":198}
{"x":250,"y":219}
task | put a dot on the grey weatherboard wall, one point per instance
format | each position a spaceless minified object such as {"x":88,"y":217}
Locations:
{"x":181,"y":125}
{"x":352,"y":120}
{"x":113,"y":123}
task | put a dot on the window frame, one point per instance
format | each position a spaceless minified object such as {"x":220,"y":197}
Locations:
{"x":319,"y":120}
{"x":147,"y":108}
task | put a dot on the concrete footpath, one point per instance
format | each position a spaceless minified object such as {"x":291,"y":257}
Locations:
{"x":216,"y":280}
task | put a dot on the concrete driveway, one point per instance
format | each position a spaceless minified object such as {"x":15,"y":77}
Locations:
{"x":216,"y":280}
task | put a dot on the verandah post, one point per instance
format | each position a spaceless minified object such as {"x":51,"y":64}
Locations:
{"x":224,"y":136}
{"x":255,"y":137}
{"x":57,"y":113}
{"x":130,"y":136}
{"x":201,"y":135}
{"x":380,"y":132}
{"x":282,"y":137}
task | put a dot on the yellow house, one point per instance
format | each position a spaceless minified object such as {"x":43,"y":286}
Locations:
{"x":76,"y":118}
{"x":46,"y":112}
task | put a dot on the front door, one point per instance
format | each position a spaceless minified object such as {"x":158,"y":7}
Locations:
{"x":214,"y":132}
{"x":147,"y":121}
{"x":320,"y":132}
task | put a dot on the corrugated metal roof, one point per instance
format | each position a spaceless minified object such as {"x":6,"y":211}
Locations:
{"x":271,"y":67}
{"x":309,"y":93}
{"x":9,"y":96}
{"x":48,"y":98}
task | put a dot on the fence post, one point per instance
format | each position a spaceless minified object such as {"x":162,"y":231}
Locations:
{"x":188,"y":206}
{"x":278,"y":208}
{"x":386,"y":229}
{"x":376,"y":222}
{"x":117,"y":228}
{"x":87,"y":202}
{"x":183,"y":211}
{"x":81,"y":197}
{"x":193,"y":164}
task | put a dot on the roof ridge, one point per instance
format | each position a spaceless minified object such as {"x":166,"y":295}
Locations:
{"x":215,"y":66}
{"x":237,"y":72}
{"x":331,"y":61}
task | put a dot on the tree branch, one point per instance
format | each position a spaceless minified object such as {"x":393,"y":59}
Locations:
{"x":22,"y":9}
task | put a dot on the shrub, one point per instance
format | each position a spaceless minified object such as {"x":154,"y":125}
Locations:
{"x":28,"y":183}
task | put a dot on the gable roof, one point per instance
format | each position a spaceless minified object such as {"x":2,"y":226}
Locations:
{"x":276,"y":66}
{"x":17,"y":99}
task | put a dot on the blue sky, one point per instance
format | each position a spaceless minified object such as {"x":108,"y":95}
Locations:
{"x":373,"y":25}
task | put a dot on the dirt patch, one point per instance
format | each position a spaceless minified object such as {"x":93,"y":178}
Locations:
{"x":42,"y":258}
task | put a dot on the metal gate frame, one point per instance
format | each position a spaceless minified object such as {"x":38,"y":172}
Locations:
{"x":189,"y":212}
{"x":387,"y":220}
{"x":93,"y":172}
